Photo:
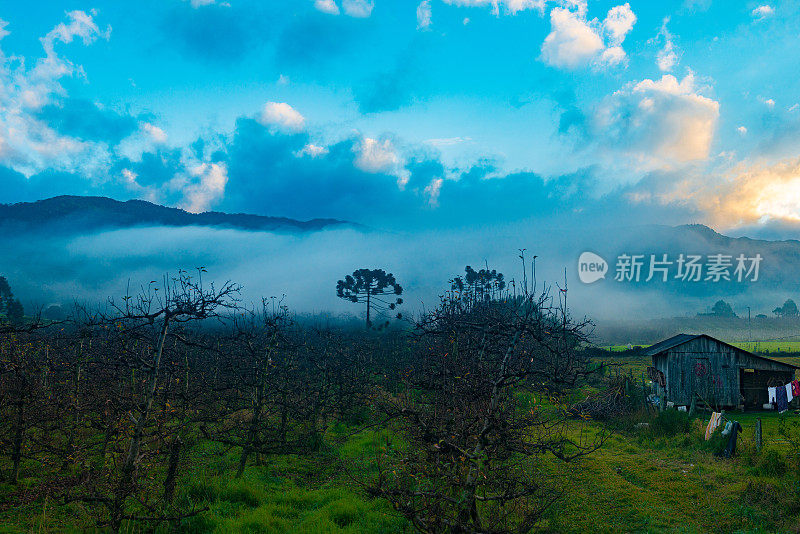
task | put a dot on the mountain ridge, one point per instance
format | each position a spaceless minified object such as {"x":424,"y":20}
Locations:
{"x":67,"y":213}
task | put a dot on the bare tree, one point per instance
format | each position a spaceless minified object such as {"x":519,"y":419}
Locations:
{"x":262,"y":336}
{"x":150,"y":318}
{"x":478,"y":406}
{"x":23,"y":377}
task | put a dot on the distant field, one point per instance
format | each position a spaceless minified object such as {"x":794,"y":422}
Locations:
{"x":770,"y":346}
{"x":756,"y":346}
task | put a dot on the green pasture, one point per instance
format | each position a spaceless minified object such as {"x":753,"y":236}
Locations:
{"x":649,"y":477}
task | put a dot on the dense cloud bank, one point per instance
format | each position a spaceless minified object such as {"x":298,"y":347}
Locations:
{"x":305,"y":267}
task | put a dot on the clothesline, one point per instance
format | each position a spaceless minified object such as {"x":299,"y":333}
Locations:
{"x":781,"y":396}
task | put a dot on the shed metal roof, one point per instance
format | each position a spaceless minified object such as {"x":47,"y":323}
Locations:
{"x":667,"y":344}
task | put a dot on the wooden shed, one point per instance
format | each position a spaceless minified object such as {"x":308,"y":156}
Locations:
{"x":715,"y":372}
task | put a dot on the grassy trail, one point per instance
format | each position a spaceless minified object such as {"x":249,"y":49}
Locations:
{"x":638,"y":483}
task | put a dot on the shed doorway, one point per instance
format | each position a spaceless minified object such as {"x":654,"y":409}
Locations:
{"x":754,"y":386}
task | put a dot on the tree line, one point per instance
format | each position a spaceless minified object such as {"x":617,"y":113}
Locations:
{"x":723,"y":308}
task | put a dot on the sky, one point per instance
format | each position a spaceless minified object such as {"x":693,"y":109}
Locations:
{"x":410,"y":115}
{"x":456,"y":131}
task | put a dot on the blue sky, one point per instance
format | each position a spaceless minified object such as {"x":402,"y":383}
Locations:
{"x":410,"y":114}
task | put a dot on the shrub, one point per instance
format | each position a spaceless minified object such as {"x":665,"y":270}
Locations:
{"x":789,"y":429}
{"x":716,"y":444}
{"x":670,"y":423}
{"x":771,"y":463}
{"x":619,"y":397}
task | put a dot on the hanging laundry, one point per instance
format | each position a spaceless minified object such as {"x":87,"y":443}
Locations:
{"x":782,"y":400}
{"x":716,"y":418}
{"x":730,"y":449}
{"x":789,"y":395}
{"x":727,"y":429}
{"x":795,"y":388}
{"x":771,"y":395}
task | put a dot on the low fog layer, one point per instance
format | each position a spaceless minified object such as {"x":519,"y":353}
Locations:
{"x":45,"y":270}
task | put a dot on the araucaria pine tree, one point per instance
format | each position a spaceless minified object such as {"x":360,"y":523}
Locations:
{"x":375,"y":288}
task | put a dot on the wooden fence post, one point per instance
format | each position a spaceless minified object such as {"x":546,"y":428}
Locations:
{"x":758,"y":434}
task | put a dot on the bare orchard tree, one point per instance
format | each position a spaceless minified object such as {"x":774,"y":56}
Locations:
{"x":24,"y":358}
{"x":252,"y":416}
{"x":281,"y":385}
{"x":143,"y":324}
{"x":478,"y":407}
{"x":262,"y":348}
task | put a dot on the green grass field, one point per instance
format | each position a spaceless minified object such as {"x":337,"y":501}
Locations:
{"x":639,"y":481}
{"x":635,"y":483}
{"x":280,"y":494}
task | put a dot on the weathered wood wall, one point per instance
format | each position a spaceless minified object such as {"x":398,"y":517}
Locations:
{"x":712,"y":370}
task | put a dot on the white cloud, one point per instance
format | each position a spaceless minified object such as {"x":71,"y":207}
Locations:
{"x":27,"y":143}
{"x":52,"y":67}
{"x":376,"y":156}
{"x":748,"y":193}
{"x":618,"y":23}
{"x":448,"y":141}
{"x":424,"y":15}
{"x":30,"y":145}
{"x":313,"y":151}
{"x":155,"y":133}
{"x":380,"y":156}
{"x":762,"y":12}
{"x":742,"y":130}
{"x":433,"y":190}
{"x":208,"y":186}
{"x":667,"y":57}
{"x":572,"y":42}
{"x":283,"y":80}
{"x":510,"y":7}
{"x":327,"y":6}
{"x":358,"y":8}
{"x":575,"y":42}
{"x":611,"y":56}
{"x":80,"y":25}
{"x":282,"y":115}
{"x":200,"y":3}
{"x":352,"y":8}
{"x":130,"y":176}
{"x":3,"y":30}
{"x":770,"y":103}
{"x":659,"y":122}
